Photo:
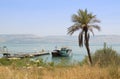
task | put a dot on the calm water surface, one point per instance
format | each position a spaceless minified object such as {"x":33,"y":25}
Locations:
{"x":78,"y":53}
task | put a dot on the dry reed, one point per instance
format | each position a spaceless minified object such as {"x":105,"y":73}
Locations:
{"x":75,"y":72}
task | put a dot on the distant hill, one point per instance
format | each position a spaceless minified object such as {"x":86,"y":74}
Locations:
{"x":18,"y":38}
{"x":111,"y":39}
{"x":28,"y":38}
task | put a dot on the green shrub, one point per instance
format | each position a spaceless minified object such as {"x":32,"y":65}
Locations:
{"x":22,"y":62}
{"x":15,"y":62}
{"x":5,"y":62}
{"x":104,"y":57}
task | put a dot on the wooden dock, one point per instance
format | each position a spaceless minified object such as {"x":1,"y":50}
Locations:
{"x":30,"y":55}
{"x":6,"y":53}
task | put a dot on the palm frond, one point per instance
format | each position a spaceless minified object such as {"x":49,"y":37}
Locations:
{"x":74,"y":28}
{"x":91,"y":30}
{"x":94,"y":20}
{"x":80,"y":12}
{"x":83,"y":15}
{"x":80,"y":39}
{"x":94,"y":26}
{"x":76,"y":18}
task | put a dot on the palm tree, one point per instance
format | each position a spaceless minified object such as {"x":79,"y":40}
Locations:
{"x":85,"y":22}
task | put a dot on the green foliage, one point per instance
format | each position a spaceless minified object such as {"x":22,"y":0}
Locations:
{"x":5,"y":62}
{"x":27,"y":62}
{"x":15,"y":62}
{"x":84,"y":61}
{"x":52,"y":64}
{"x":104,"y":57}
{"x":22,"y":62}
{"x":40,"y":62}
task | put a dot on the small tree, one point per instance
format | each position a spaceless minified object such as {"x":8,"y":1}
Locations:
{"x":85,"y":22}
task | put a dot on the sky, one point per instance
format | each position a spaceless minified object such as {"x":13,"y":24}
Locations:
{"x":53,"y":17}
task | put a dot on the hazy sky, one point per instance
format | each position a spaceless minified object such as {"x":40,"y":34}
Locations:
{"x":53,"y":17}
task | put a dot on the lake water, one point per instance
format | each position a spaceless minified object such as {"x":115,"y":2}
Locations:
{"x":78,"y":53}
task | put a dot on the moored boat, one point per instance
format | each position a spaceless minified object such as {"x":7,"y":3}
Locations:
{"x":63,"y":52}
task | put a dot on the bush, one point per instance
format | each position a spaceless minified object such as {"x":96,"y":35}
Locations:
{"x":104,"y":57}
{"x":17,"y":62}
{"x":5,"y":62}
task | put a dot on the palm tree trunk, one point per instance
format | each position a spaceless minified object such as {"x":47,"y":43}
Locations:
{"x":87,"y":46}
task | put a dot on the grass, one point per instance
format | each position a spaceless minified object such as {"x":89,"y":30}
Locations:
{"x":73,"y":72}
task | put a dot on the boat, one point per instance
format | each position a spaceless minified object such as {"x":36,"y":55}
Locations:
{"x":63,"y":52}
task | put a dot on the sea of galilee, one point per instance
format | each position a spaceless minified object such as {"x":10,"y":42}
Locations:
{"x":21,"y":44}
